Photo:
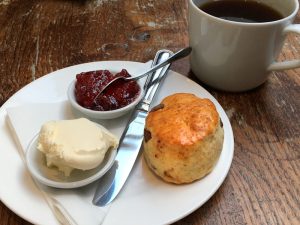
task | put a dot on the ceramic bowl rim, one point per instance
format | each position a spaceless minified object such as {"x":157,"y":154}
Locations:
{"x":102,"y":114}
{"x":65,"y":185}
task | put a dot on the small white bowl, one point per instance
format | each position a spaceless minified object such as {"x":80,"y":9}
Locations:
{"x":111,"y":114}
{"x":51,"y":176}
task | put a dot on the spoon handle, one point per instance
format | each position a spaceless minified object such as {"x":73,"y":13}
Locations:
{"x":178,"y":55}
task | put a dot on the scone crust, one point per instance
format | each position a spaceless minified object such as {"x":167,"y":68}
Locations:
{"x":183,"y":138}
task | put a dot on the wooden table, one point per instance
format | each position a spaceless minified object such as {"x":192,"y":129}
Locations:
{"x":263,"y":184}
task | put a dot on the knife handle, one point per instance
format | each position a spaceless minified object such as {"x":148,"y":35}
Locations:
{"x":154,"y":80}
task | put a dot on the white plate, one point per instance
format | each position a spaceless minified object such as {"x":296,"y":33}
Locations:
{"x":145,"y":199}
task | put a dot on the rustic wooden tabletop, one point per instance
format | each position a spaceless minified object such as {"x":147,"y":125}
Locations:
{"x":263,"y":184}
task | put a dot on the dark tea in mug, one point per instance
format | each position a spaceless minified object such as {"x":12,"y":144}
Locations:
{"x":241,"y":11}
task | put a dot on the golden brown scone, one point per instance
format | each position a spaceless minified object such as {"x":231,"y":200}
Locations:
{"x":183,"y":138}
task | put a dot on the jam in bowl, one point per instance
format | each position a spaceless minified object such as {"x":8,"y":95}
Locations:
{"x":116,"y":100}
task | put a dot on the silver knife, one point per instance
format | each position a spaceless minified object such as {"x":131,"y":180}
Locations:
{"x":111,"y":183}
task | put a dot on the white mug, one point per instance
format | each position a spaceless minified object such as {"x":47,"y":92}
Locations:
{"x":237,"y":56}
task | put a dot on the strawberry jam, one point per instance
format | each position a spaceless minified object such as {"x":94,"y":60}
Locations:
{"x":117,"y":95}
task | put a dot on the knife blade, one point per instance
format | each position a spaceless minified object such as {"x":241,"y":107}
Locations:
{"x":111,"y":183}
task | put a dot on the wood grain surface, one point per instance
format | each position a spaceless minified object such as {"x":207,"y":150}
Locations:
{"x":263,"y":184}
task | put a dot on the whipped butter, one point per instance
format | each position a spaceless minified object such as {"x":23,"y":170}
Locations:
{"x":74,"y":144}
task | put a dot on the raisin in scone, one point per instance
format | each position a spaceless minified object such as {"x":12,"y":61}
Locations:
{"x":183,"y":138}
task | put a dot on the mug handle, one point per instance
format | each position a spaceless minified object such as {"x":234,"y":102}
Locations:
{"x":292,"y":64}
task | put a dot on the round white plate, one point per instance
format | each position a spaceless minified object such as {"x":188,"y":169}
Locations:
{"x":145,"y":199}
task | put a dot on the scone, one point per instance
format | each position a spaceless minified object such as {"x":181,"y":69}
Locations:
{"x":183,"y":138}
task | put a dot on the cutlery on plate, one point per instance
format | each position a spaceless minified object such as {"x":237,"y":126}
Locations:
{"x":178,"y":55}
{"x":112,"y":182}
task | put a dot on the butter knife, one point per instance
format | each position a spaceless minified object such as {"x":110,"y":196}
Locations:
{"x":112,"y":182}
